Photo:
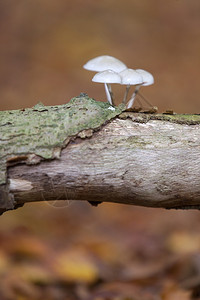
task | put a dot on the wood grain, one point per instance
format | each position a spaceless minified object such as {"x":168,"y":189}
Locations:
{"x":154,"y":163}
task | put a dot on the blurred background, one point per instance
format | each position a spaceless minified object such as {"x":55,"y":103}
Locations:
{"x":44,"y":45}
{"x":113,"y":251}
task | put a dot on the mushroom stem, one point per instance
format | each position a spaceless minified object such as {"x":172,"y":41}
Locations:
{"x":126,"y":93}
{"x":111,"y":93}
{"x":108,"y":95}
{"x":132,"y":99}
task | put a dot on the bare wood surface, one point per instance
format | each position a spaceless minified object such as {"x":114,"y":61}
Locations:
{"x":134,"y":159}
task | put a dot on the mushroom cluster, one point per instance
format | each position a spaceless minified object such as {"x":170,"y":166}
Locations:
{"x":111,"y":70}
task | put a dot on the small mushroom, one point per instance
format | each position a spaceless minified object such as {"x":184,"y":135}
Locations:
{"x":147,"y":79}
{"x":105,"y":62}
{"x":107,"y":77}
{"x":130,"y":77}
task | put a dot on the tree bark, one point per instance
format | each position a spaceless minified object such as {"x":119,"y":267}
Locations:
{"x":132,"y":158}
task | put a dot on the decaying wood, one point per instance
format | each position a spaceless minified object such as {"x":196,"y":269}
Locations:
{"x":134,"y":158}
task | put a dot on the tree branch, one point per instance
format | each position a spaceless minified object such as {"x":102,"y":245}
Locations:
{"x":134,"y":158}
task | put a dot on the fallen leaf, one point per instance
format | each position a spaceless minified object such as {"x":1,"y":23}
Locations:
{"x":173,"y":292}
{"x":26,"y":247}
{"x":183,"y":242}
{"x":76,"y":266}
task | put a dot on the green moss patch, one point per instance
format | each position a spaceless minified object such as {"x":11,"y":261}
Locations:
{"x":41,"y":128}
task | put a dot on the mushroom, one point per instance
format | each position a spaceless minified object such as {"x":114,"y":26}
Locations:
{"x":107,"y":77}
{"x":147,"y":79}
{"x":130,"y":77}
{"x":105,"y":62}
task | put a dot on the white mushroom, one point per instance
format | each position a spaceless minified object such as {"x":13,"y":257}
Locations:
{"x":130,"y":77}
{"x":147,"y":79}
{"x":105,"y":62}
{"x":107,"y":77}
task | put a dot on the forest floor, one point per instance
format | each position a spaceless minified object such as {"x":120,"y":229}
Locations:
{"x":75,"y":251}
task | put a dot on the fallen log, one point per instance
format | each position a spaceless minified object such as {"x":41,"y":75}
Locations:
{"x":87,"y":150}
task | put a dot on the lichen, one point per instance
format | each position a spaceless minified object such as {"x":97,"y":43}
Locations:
{"x":41,"y":129}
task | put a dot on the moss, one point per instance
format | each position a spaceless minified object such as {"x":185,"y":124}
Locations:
{"x":42,"y":128}
{"x":174,"y":118}
{"x":179,"y":118}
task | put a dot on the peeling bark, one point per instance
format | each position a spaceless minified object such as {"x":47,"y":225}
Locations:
{"x":134,"y":158}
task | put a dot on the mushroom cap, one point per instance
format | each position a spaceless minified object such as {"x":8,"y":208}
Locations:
{"x":147,"y":77}
{"x":131,"y":77}
{"x":104,"y":62}
{"x":107,"y":76}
